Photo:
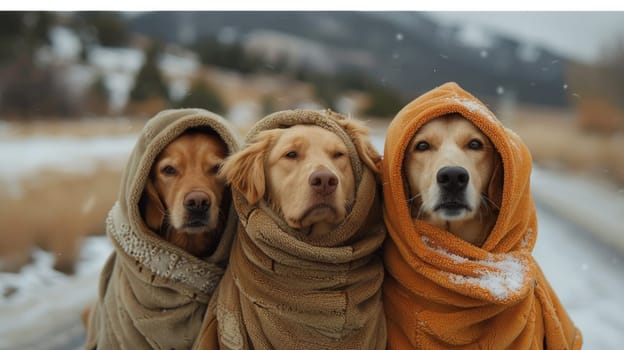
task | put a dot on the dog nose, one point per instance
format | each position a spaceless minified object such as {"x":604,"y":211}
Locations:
{"x":324,"y":182}
{"x":453,"y":178}
{"x":197,"y":201}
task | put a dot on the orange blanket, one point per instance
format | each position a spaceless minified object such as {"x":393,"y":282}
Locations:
{"x":441,"y":292}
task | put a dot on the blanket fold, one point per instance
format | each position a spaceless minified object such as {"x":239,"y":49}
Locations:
{"x":285,"y":290}
{"x":152,"y":294}
{"x":442,"y":292}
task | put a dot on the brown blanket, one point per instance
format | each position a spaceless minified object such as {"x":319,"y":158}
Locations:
{"x":284,"y":290}
{"x":152,"y":294}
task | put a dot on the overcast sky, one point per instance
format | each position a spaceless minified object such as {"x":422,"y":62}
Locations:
{"x":580,"y":35}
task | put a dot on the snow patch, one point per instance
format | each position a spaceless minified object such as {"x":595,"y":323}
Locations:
{"x":245,"y":113}
{"x":46,"y":300}
{"x":32,"y":154}
{"x":116,"y":59}
{"x":476,"y":107}
{"x":456,"y":258}
{"x":526,"y":240}
{"x":506,"y":280}
{"x":118,"y":67}
{"x":65,"y":43}
{"x":178,"y":65}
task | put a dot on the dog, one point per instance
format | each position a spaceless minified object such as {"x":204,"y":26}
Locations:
{"x":304,"y":171}
{"x":182,"y":198}
{"x":454,"y":178}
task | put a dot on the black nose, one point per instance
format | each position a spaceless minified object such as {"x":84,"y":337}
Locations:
{"x":196,"y":201}
{"x":324,"y":182}
{"x":453,"y":178}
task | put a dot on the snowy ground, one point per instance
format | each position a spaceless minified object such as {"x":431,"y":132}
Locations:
{"x":579,"y":248}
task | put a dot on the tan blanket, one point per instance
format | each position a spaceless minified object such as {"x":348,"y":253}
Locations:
{"x":152,"y":294}
{"x":284,"y":290}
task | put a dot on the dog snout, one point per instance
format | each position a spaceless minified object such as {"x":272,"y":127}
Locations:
{"x":324,"y":182}
{"x":197,"y":201}
{"x":453,"y":178}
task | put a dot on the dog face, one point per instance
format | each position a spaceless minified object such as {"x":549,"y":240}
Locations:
{"x":309,"y":176}
{"x":448,"y":167}
{"x":304,"y":171}
{"x":184,"y":190}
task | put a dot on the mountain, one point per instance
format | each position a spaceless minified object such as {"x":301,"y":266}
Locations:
{"x":409,"y":51}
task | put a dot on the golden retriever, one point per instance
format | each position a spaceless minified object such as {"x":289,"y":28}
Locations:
{"x":453,"y":177}
{"x":304,"y":171}
{"x":182,"y":197}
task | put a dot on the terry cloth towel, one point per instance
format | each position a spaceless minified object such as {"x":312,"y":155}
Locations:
{"x":152,"y":294}
{"x":441,"y":292}
{"x":284,"y":290}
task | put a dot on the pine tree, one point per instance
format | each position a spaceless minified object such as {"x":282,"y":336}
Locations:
{"x":149,"y":82}
{"x":201,"y":95}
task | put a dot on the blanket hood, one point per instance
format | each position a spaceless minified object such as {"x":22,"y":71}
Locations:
{"x":328,"y":120}
{"x":153,"y":294}
{"x":441,"y":292}
{"x":283,"y":290}
{"x":514,"y":228}
{"x":157,"y":133}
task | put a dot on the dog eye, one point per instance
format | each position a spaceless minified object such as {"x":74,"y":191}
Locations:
{"x":338,"y":154}
{"x":291,"y":155}
{"x":475,"y":144}
{"x":422,"y":146}
{"x":168,"y":170}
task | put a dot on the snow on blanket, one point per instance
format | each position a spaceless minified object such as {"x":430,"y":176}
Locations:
{"x":507,"y":279}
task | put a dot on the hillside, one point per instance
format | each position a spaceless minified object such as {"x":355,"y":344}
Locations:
{"x":408,"y":51}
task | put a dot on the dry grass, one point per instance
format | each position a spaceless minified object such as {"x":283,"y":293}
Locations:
{"x":75,"y":128}
{"x":556,"y":140}
{"x":55,"y":211}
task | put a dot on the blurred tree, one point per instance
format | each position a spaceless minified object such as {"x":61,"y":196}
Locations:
{"x":597,"y":90}
{"x":109,"y":28}
{"x":97,"y":99}
{"x":201,"y":95}
{"x":149,"y":82}
{"x":613,"y":63}
{"x":230,"y":56}
{"x":385,"y":102}
{"x":268,"y":104}
{"x":21,"y":33}
{"x":30,"y":91}
{"x":11,"y":27}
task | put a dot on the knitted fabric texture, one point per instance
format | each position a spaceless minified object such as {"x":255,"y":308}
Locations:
{"x":441,"y":292}
{"x":284,"y":290}
{"x":152,"y":294}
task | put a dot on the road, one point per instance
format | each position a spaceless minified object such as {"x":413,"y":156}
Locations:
{"x":587,"y":275}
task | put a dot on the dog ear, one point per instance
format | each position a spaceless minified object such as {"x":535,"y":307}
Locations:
{"x":151,"y":207}
{"x":495,"y":187}
{"x":244,"y":170}
{"x":360,"y":133}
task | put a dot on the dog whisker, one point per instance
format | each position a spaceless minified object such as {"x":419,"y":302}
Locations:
{"x":488,"y":203}
{"x":412,"y":201}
